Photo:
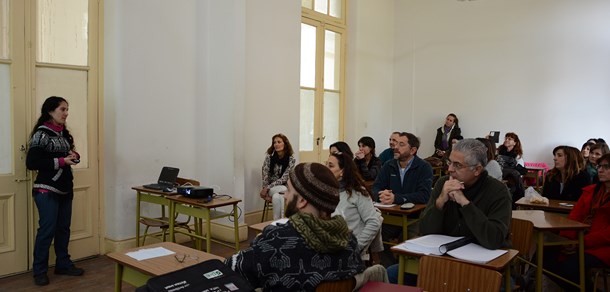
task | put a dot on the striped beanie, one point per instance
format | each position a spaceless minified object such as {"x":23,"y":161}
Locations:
{"x":316,"y":184}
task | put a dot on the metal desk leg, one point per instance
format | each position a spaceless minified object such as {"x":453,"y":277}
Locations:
{"x":172,"y":221}
{"x":208,"y":232}
{"x":402,"y":261}
{"x":540,"y":243}
{"x":507,"y":276}
{"x":581,"y":259}
{"x":405,"y":227}
{"x":236,"y":225}
{"x":118,"y":277}
{"x":138,"y":218}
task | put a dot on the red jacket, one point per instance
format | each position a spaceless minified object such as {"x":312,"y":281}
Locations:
{"x":597,"y":240}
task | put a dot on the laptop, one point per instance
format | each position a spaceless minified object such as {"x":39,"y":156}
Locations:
{"x":167,"y":179}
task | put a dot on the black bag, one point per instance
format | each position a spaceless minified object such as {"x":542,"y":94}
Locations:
{"x":212,"y":275}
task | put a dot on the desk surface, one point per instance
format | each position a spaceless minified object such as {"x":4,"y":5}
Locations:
{"x":553,"y":206}
{"x":387,"y":287}
{"x":396,"y":209}
{"x":165,"y":264}
{"x":548,"y":221}
{"x":497,"y":264}
{"x":199,"y":202}
{"x":152,"y":191}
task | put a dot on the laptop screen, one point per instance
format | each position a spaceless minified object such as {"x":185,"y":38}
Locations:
{"x":168,"y":175}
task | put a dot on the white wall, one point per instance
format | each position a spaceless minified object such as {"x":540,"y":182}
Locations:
{"x":188,"y":84}
{"x":538,"y":68}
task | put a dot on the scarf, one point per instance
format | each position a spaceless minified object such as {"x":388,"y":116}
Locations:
{"x":323,"y":236}
{"x":276,"y":160}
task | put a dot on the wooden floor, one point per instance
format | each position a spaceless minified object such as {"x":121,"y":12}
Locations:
{"x":99,"y":274}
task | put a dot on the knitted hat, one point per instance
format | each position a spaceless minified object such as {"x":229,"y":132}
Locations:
{"x":316,"y":184}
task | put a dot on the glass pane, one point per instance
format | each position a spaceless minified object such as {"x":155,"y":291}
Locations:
{"x":4,"y":29}
{"x":332,"y":60}
{"x":307,"y":119}
{"x":6,"y":120}
{"x":307,"y":4}
{"x":62,"y":31}
{"x":308,"y":55}
{"x":335,"y":8}
{"x":321,"y":6}
{"x":71,"y":85}
{"x":331,"y":118}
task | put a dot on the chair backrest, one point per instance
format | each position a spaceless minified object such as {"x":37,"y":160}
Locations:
{"x":181,"y":181}
{"x":336,"y":286}
{"x":521,"y":236}
{"x":444,"y":274}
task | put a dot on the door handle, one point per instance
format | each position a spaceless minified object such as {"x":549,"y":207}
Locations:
{"x":22,"y":179}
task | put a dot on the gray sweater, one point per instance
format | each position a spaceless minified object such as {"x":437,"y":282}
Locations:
{"x":361,"y":217}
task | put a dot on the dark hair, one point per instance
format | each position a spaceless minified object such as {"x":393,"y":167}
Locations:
{"x":413,"y":140}
{"x":351,"y":179}
{"x":587,"y":144}
{"x":518,"y":148}
{"x":456,"y":121}
{"x":574,"y":164}
{"x":491,"y":148}
{"x":368,"y":141}
{"x":49,"y":105}
{"x":605,"y":157}
{"x":601,"y":146}
{"x":287,"y":147}
{"x":342,"y":147}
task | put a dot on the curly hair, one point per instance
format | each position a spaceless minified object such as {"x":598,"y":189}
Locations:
{"x":287,"y":147}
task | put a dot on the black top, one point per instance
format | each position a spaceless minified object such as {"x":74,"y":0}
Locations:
{"x":46,"y":147}
{"x":571,"y":189}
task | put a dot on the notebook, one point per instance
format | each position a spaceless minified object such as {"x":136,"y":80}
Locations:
{"x":211,"y":275}
{"x":167,"y":179}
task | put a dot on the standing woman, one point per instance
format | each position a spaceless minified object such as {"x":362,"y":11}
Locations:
{"x":367,"y":162}
{"x":51,"y":153}
{"x":445,"y":134}
{"x":279,"y":160}
{"x":355,"y":203}
{"x":566,"y":180}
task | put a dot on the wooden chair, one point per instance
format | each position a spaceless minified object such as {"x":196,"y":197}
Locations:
{"x":266,"y":208}
{"x":521,"y":232}
{"x":443,"y":274}
{"x":163,"y":221}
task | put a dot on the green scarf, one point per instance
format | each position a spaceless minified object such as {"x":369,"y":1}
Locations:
{"x":323,"y":236}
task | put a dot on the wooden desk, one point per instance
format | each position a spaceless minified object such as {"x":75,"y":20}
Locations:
{"x":553,"y":206}
{"x":258,"y":227}
{"x":500,"y":263}
{"x":553,"y":222}
{"x":387,"y":287}
{"x":399,"y":217}
{"x":150,"y":196}
{"x":202,"y":211}
{"x":137,"y":272}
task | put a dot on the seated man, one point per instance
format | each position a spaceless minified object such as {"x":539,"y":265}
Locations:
{"x":468,"y":202}
{"x":311,"y":247}
{"x":388,"y":154}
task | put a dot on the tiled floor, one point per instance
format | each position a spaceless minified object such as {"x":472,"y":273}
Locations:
{"x":99,"y":275}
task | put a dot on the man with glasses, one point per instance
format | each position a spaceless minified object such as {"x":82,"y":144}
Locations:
{"x":468,"y":202}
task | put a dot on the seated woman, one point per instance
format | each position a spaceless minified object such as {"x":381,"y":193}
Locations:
{"x":355,"y":203}
{"x":279,"y":160}
{"x":342,"y":147}
{"x":566,"y":180}
{"x":510,"y":153}
{"x":367,"y":162}
{"x":493,"y":168}
{"x":595,"y":152}
{"x":586,"y":149}
{"x":592,"y":208}
{"x":445,"y":134}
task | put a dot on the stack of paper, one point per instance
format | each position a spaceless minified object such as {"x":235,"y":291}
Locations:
{"x":437,"y":244}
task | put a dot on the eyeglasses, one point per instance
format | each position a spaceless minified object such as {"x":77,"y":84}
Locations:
{"x":455,"y":165}
{"x":604,"y":166}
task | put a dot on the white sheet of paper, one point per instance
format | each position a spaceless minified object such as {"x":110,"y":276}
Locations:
{"x":384,"y":205}
{"x":149,"y":253}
